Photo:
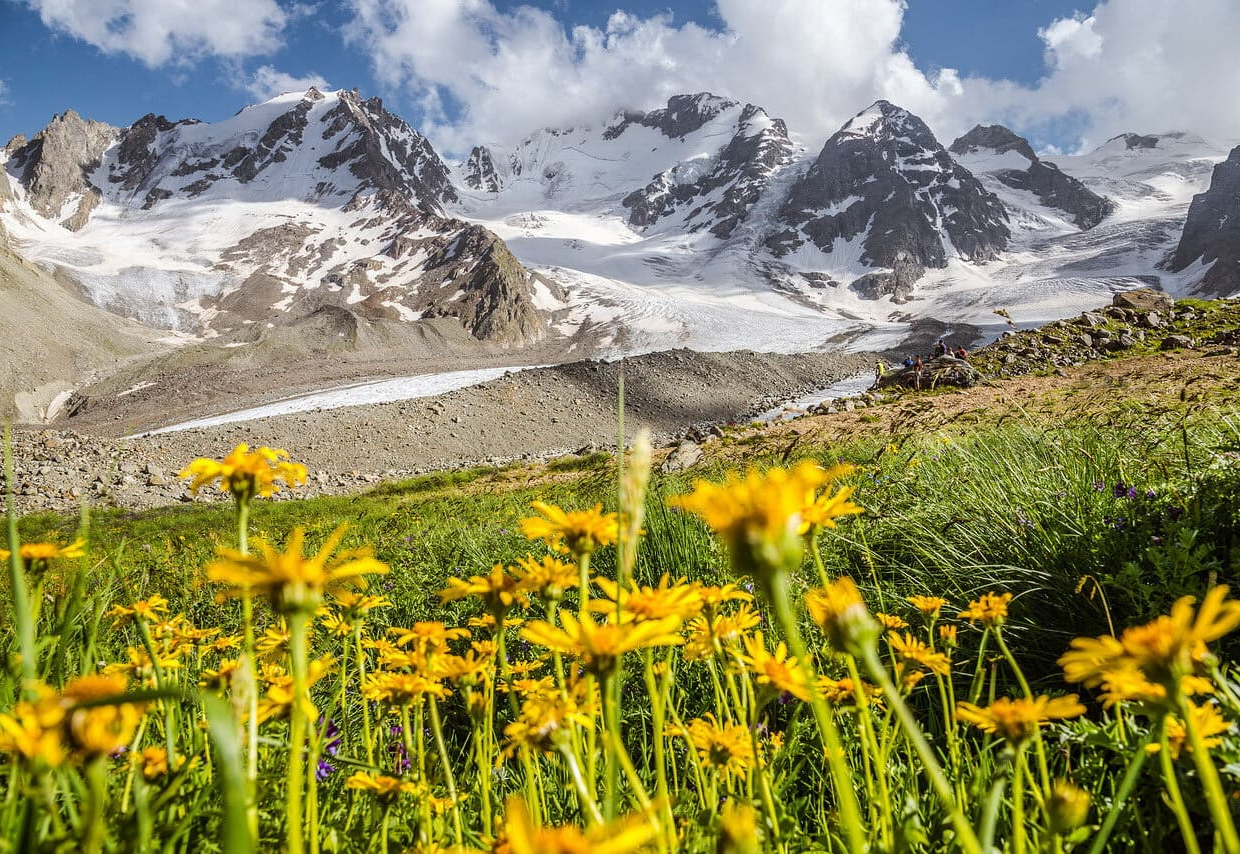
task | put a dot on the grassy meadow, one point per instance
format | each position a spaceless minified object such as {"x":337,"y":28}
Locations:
{"x":960,"y":638}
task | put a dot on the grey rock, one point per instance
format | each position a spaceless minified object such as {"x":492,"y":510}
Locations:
{"x":686,"y":456}
{"x":1142,"y":299}
{"x":1176,"y":342}
{"x":1212,"y":231}
{"x":54,"y":164}
{"x":1151,"y":320}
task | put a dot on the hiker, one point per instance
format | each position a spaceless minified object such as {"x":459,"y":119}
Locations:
{"x":940,"y":348}
{"x":880,"y":370}
{"x":962,"y":354}
{"x":917,"y":374}
{"x":908,"y":361}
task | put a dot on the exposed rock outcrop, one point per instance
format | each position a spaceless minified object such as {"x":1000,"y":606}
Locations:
{"x":54,"y":165}
{"x":1212,"y":232}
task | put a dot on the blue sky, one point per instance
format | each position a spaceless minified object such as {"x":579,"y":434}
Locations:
{"x":500,"y":68}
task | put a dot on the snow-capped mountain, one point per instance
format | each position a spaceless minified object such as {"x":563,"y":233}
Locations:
{"x":883,"y":195}
{"x":307,"y":203}
{"x":702,"y":223}
{"x":996,"y":152}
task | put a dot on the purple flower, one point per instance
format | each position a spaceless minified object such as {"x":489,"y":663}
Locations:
{"x":1120,"y":489}
{"x":1099,"y":486}
{"x":1149,"y":493}
{"x":325,"y":770}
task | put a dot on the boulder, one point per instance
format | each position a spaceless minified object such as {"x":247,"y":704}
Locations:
{"x":1176,"y":342}
{"x":942,"y":371}
{"x":1144,"y":299}
{"x":686,"y":456}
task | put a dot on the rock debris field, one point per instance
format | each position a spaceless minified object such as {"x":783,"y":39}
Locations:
{"x":530,"y":415}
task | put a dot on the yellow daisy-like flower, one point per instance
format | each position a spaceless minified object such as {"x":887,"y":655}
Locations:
{"x":548,"y":577}
{"x":498,"y":590}
{"x":826,"y":508}
{"x":842,"y":692}
{"x":915,"y":655}
{"x":292,"y":581}
{"x":580,"y":532}
{"x":776,"y":669}
{"x":758,"y":516}
{"x":1208,"y":722}
{"x":669,"y":599}
{"x":1067,"y":808}
{"x":356,"y":604}
{"x":154,"y":762}
{"x":727,"y":749}
{"x":600,"y":645}
{"x":714,"y":597}
{"x":32,"y":730}
{"x":385,"y":789}
{"x":278,"y":701}
{"x":990,"y":610}
{"x":546,"y":718}
{"x":841,"y":612}
{"x":150,"y":609}
{"x":722,"y":630}
{"x":245,"y":473}
{"x":1016,"y":720}
{"x":947,"y":635}
{"x":626,"y":836}
{"x":401,"y":689}
{"x":929,"y":606}
{"x":221,"y":677}
{"x":40,"y":553}
{"x":95,"y":723}
{"x":890,"y":622}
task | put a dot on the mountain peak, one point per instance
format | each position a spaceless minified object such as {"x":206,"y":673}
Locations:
{"x":683,"y":115}
{"x":997,"y":138}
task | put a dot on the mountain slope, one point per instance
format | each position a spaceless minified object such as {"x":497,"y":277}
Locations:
{"x":306,"y":201}
{"x":1212,"y":231}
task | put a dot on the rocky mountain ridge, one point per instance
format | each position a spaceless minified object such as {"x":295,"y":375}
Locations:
{"x":1212,"y":232}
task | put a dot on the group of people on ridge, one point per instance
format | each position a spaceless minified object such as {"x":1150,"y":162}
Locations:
{"x":914,"y":363}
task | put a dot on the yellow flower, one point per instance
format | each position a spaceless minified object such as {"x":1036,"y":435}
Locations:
{"x":578,"y":531}
{"x":842,"y":613}
{"x":140,"y":666}
{"x":890,"y":621}
{"x":278,"y":701}
{"x":144,"y":609}
{"x":600,"y":645}
{"x":154,"y":762}
{"x":947,"y":635}
{"x":1208,"y":722}
{"x":715,"y":597}
{"x":826,"y":508}
{"x":41,"y":553}
{"x":499,"y":591}
{"x":722,"y":630}
{"x":336,"y":625}
{"x":929,"y":606}
{"x":401,"y":689}
{"x":668,"y":599}
{"x":1148,"y":660}
{"x":355,"y":604}
{"x":32,"y":731}
{"x":625,"y":836}
{"x":777,"y":669}
{"x":95,"y":723}
{"x":385,"y":789}
{"x":221,"y":677}
{"x":548,"y":577}
{"x":1068,"y":807}
{"x":292,"y":581}
{"x":546,"y":718}
{"x":1017,"y":720}
{"x":738,"y":829}
{"x":759,"y":516}
{"x":990,"y":610}
{"x":727,"y":749}
{"x":914,"y":655}
{"x":842,"y":692}
{"x":245,"y":473}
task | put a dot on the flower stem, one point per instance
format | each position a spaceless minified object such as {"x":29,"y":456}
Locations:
{"x":777,"y":593}
{"x":1173,"y":790}
{"x":1125,"y":789}
{"x":1216,"y":799}
{"x":437,"y":729}
{"x":96,"y":824}
{"x":294,"y":836}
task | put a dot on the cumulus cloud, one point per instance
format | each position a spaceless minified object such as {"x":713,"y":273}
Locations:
{"x":157,"y":32}
{"x":479,"y":73}
{"x":267,"y":82}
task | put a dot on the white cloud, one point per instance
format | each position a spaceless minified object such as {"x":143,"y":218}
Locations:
{"x":482,"y":74}
{"x":157,"y":32}
{"x":267,"y":82}
{"x":4,"y":93}
{"x":813,"y":62}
